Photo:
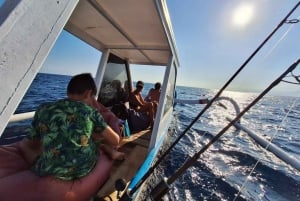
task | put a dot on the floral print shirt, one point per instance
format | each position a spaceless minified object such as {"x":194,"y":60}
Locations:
{"x":65,"y":128}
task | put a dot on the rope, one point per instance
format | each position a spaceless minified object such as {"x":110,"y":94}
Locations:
{"x":260,"y":159}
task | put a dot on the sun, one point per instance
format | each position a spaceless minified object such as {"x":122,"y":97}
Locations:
{"x":243,"y":15}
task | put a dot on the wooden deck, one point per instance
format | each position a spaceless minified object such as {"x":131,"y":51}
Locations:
{"x":136,"y":149}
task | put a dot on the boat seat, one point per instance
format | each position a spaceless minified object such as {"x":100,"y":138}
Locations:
{"x":19,"y":183}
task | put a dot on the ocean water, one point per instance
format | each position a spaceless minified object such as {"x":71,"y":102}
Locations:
{"x":236,"y":167}
{"x":233,"y":168}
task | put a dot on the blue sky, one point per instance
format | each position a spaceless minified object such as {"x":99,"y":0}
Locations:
{"x":213,"y":44}
{"x":214,"y":38}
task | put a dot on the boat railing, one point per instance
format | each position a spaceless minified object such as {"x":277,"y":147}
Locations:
{"x":21,"y":117}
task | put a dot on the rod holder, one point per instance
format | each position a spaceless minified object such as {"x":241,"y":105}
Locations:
{"x":120,"y":185}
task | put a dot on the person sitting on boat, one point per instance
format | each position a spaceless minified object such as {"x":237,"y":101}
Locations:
{"x":120,"y":96}
{"x":62,"y":134}
{"x":112,"y":93}
{"x":137,"y":102}
{"x":154,"y":93}
{"x":109,"y":117}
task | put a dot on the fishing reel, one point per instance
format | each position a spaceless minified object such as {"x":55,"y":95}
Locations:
{"x":120,"y":186}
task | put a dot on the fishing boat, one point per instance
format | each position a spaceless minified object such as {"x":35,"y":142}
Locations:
{"x":126,"y":33}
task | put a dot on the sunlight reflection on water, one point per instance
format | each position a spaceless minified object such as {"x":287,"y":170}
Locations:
{"x":234,"y":156}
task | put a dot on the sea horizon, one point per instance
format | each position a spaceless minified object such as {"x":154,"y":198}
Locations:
{"x":276,"y":93}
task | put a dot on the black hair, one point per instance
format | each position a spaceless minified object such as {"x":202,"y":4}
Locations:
{"x":140,"y":84}
{"x":157,"y":85}
{"x":80,"y":83}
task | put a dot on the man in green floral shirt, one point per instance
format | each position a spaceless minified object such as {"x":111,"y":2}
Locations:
{"x":62,"y":131}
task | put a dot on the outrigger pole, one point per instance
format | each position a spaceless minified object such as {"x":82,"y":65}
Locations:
{"x":127,"y":196}
{"x":162,"y":188}
{"x":269,"y":146}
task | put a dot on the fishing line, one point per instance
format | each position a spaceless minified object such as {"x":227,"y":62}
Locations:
{"x":292,"y":22}
{"x":266,"y":148}
{"x":127,"y":196}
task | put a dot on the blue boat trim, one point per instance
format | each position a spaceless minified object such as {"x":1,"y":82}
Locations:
{"x":148,"y":161}
{"x":146,"y":165}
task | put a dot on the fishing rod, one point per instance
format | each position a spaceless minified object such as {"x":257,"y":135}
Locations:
{"x":127,"y":196}
{"x":163,"y":187}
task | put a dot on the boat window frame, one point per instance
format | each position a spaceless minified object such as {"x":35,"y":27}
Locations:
{"x":170,"y":90}
{"x":109,"y":85}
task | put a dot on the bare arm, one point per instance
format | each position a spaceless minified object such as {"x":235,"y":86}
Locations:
{"x":137,"y":99}
{"x":141,"y":100}
{"x":110,"y":136}
{"x":148,"y":97}
{"x":101,"y":108}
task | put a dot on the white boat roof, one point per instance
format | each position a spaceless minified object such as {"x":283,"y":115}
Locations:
{"x":139,"y":31}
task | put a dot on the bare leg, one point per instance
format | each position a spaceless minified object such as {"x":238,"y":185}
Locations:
{"x":155,"y":105}
{"x":150,"y":109}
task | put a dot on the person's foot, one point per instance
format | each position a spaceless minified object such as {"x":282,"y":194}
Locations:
{"x":116,"y":155}
{"x":151,"y":124}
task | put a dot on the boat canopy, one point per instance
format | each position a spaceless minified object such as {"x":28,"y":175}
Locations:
{"x":137,"y":31}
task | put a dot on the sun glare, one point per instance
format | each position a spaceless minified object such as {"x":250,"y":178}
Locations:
{"x":242,"y":15}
